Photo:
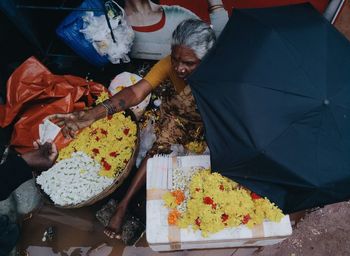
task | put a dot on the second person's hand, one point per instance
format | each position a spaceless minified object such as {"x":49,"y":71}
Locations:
{"x":42,"y":157}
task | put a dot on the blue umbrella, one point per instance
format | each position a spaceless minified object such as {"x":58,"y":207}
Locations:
{"x":274,"y":95}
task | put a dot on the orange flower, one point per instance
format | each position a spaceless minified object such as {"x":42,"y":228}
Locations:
{"x":179,"y":196}
{"x":173,"y":217}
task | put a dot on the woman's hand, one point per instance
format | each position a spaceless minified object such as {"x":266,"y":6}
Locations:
{"x":71,"y":123}
{"x":43,"y":157}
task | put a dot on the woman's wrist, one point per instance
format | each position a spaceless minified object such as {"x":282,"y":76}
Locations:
{"x":98,"y":112}
{"x":109,"y":107}
{"x":214,"y":5}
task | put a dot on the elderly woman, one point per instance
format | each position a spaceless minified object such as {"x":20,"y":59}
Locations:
{"x":178,"y":120}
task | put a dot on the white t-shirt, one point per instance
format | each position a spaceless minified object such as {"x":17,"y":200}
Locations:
{"x":156,"y":44}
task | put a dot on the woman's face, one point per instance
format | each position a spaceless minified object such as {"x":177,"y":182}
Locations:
{"x":183,"y":61}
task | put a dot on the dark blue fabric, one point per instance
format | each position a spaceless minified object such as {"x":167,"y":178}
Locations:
{"x":69,"y":32}
{"x":9,"y":234}
{"x":274,"y":95}
{"x":13,"y":173}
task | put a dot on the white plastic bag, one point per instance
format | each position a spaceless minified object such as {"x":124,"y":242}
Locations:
{"x":96,"y":30}
{"x":147,"y":138}
{"x":180,"y":150}
{"x":126,"y":79}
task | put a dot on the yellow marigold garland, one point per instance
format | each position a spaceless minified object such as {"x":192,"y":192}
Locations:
{"x":216,"y":202}
{"x":197,"y":147}
{"x":110,"y":141}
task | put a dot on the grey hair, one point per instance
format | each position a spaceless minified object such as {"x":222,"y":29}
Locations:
{"x":194,"y":34}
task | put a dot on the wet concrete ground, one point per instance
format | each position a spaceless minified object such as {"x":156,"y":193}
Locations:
{"x":323,"y":231}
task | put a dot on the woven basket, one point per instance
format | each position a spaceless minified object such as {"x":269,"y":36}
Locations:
{"x":117,"y":181}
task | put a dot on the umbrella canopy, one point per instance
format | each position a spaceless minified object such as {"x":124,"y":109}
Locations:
{"x":274,"y":95}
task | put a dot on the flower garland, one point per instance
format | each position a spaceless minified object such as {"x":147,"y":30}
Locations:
{"x":197,"y":147}
{"x":73,"y":180}
{"x":215,"y":202}
{"x":110,"y":141}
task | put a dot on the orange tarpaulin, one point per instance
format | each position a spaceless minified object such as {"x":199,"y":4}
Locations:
{"x":33,"y":93}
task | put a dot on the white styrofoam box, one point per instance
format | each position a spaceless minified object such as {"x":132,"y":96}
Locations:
{"x":162,"y":237}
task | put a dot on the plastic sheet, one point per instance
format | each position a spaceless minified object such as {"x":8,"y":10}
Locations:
{"x":99,"y":34}
{"x":69,"y":32}
{"x":147,"y":138}
{"x":33,"y":93}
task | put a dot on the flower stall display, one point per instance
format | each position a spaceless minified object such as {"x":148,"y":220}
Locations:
{"x":73,"y":180}
{"x":190,"y":207}
{"x":209,"y":202}
{"x":92,"y":161}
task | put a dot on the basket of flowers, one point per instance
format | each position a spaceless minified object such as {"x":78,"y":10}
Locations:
{"x":94,"y":164}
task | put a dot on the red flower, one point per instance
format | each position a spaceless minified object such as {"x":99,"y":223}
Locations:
{"x":224,"y":217}
{"x":208,"y":200}
{"x":95,"y":151}
{"x":104,"y":132}
{"x":254,"y":196}
{"x":97,"y":138}
{"x":246,"y":218}
{"x":213,"y":206}
{"x":198,"y":222}
{"x":198,"y":189}
{"x":106,"y":165}
{"x":113,"y":154}
{"x":221,"y":187}
{"x":126,"y":131}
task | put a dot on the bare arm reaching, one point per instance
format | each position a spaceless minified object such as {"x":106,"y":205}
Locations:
{"x":126,"y":98}
{"x":218,"y":15}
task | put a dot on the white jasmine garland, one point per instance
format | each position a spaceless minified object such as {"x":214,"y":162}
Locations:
{"x":73,"y":180}
{"x":181,"y":178}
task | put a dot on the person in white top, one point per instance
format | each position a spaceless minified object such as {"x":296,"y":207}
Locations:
{"x":153,"y":25}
